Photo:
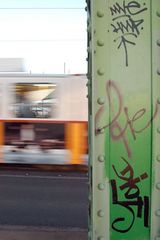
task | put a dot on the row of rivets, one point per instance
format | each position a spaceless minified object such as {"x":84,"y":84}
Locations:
{"x":157,"y":185}
{"x":158,"y":130}
{"x":158,"y":41}
{"x":101,"y":187}
{"x":100,"y":101}
{"x":157,"y":213}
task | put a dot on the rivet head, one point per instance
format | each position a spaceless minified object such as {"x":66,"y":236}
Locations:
{"x":158,"y":13}
{"x":100,"y":238}
{"x":158,"y":71}
{"x":158,"y":186}
{"x":100,"y":71}
{"x":101,"y":130}
{"x":100,"y":14}
{"x":100,"y":101}
{"x":158,"y":129}
{"x":100,"y":43}
{"x":100,"y":213}
{"x":157,"y":213}
{"x":158,"y":42}
{"x":101,"y":158}
{"x":101,"y":186}
{"x":158,"y":157}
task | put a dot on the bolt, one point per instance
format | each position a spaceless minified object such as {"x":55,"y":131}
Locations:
{"x":101,"y":158}
{"x":100,"y":101}
{"x":100,"y":43}
{"x":101,"y":186}
{"x":100,"y":14}
{"x":100,"y":71}
{"x":100,"y":213}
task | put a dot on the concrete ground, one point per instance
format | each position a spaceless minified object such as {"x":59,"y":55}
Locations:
{"x":36,"y":233}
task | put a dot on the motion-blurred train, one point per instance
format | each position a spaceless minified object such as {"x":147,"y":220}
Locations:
{"x":43,"y":119}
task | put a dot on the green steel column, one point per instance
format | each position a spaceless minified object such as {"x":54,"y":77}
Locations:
{"x":122,"y":112}
{"x":100,"y":181}
{"x":155,"y":207}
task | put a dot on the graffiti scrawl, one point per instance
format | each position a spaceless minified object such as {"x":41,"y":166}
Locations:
{"x":132,"y":198}
{"x":127,"y":24}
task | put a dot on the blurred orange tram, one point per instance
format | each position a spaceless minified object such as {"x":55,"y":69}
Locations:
{"x":43,"y":119}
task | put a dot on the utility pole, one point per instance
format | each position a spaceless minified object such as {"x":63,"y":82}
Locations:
{"x":64,"y":68}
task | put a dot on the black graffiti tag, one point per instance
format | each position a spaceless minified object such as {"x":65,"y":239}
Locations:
{"x":125,"y":24}
{"x":132,"y":198}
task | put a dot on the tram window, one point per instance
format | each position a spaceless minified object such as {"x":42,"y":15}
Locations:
{"x":35,"y":100}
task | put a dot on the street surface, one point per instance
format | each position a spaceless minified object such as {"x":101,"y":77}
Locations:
{"x":44,"y":199}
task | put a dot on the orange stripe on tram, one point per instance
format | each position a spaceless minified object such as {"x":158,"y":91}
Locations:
{"x":76,"y":141}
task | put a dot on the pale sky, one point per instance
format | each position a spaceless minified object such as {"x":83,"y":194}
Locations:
{"x":45,"y":33}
